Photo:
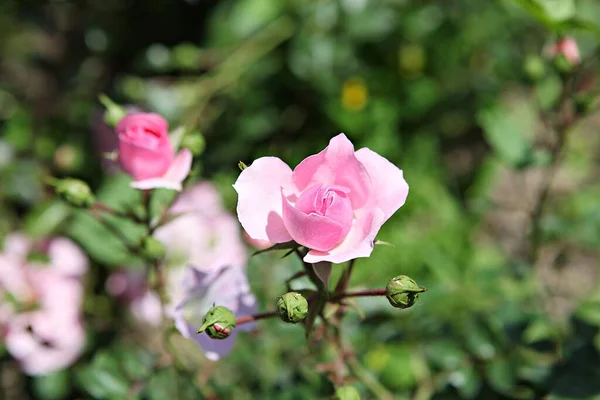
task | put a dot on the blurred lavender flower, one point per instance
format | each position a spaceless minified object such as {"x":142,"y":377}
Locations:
{"x":226,"y":287}
{"x":41,"y":295}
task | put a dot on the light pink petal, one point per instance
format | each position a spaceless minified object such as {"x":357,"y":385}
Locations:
{"x":181,"y":166}
{"x":336,"y":165}
{"x":148,"y":309}
{"x":313,"y":231}
{"x":173,"y":178}
{"x":358,"y":243}
{"x":259,"y":205}
{"x":156,"y":183}
{"x":17,"y":245}
{"x":66,"y":257}
{"x":201,"y":198}
{"x":389,"y":187}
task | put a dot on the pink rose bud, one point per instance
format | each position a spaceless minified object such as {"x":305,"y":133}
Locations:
{"x":334,"y":202}
{"x":144,"y":147}
{"x":567,"y":47}
{"x":146,"y":153}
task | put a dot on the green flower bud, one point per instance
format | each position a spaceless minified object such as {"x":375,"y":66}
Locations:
{"x":152,"y":249}
{"x":218,"y":323}
{"x":114,"y":112}
{"x":194,"y":141}
{"x":402,"y":291}
{"x":75,"y":192}
{"x":347,"y":393}
{"x":292,"y":307}
{"x":534,"y":67}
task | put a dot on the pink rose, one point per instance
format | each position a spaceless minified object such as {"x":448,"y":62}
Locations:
{"x":146,"y":153}
{"x":567,"y":47}
{"x":334,"y":202}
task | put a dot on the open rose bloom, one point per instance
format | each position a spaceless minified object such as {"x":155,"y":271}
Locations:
{"x":146,"y":153}
{"x":333,"y":203}
{"x":40,"y":303}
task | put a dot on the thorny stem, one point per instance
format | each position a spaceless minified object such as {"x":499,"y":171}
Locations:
{"x":555,"y":157}
{"x":160,"y":281}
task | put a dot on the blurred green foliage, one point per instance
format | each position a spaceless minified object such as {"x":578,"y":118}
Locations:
{"x":455,"y":92}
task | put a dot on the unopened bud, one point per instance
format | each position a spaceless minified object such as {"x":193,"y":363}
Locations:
{"x":292,"y":307}
{"x":194,"y":142}
{"x":402,"y":291}
{"x":219,"y":322}
{"x":114,"y":112}
{"x":534,"y":67}
{"x":75,"y":192}
{"x":152,"y":249}
{"x":347,"y":393}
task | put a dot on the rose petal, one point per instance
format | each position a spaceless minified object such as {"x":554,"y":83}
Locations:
{"x":313,"y":231}
{"x":389,"y":187}
{"x":336,"y":165}
{"x":173,"y":178}
{"x":259,"y":205}
{"x":142,"y":163}
{"x":156,"y":183}
{"x":66,"y":257}
{"x":358,"y":243}
{"x":181,"y":166}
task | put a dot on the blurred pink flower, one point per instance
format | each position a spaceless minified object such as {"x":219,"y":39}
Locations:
{"x":202,"y":235}
{"x":333,"y":202}
{"x":40,"y":316}
{"x":146,"y":153}
{"x":225,"y":287}
{"x":567,"y":47}
{"x":131,"y":287}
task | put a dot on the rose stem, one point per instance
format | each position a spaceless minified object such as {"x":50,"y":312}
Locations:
{"x":360,"y":293}
{"x":109,"y":210}
{"x":256,"y":317}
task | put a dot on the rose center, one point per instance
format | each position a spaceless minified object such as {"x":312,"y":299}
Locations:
{"x":143,"y":136}
{"x":329,"y":201}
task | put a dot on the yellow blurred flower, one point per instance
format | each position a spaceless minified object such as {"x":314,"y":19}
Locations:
{"x":354,"y":94}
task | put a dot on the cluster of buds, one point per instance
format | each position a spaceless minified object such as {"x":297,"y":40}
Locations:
{"x":401,"y":292}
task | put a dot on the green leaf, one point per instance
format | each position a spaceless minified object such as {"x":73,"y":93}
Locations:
{"x":55,"y":386}
{"x":500,"y":374}
{"x":103,"y":378}
{"x":557,"y":10}
{"x":505,"y":134}
{"x":46,"y":218}
{"x":163,"y":385}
